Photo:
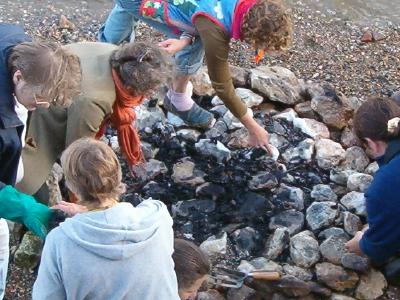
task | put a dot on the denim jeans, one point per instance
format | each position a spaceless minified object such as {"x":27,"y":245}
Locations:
{"x":118,"y":28}
{"x":4,"y":253}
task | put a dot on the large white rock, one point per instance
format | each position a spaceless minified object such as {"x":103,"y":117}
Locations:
{"x":303,"y":152}
{"x":359,"y":182}
{"x":215,"y":245}
{"x":276,"y":83}
{"x":304,"y":249}
{"x":248,"y":97}
{"x":312,"y":128}
{"x":329,"y":154}
{"x":355,"y":201}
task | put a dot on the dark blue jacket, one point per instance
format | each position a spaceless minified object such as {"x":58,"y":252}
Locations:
{"x":382,"y":240}
{"x":10,"y":125}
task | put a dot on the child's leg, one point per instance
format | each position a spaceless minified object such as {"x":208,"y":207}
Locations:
{"x":118,"y":26}
{"x":4,"y":252}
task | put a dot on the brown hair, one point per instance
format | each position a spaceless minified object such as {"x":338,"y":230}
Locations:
{"x":373,"y":117}
{"x":268,"y":26}
{"x":92,"y":171}
{"x":50,"y":69}
{"x":191,"y":263}
{"x":143,"y":68}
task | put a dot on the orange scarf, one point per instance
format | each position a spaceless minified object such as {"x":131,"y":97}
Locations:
{"x":122,"y":117}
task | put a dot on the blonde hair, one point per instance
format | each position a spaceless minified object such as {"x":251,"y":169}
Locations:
{"x":49,"y":69}
{"x":92,"y":171}
{"x":268,"y":26}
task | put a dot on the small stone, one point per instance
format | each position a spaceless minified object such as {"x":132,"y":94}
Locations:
{"x":188,"y":207}
{"x":231,"y":121}
{"x":263,"y":180}
{"x":303,"y":152}
{"x":190,"y":135}
{"x":334,"y":111}
{"x":184,"y":172}
{"x":336,"y":277}
{"x":329,"y":154}
{"x":148,"y":150}
{"x":323,"y":192}
{"x":355,"y":159}
{"x":354,"y":262}
{"x":64,"y":23}
{"x":304,"y":249}
{"x":219,"y":110}
{"x":210,"y":295}
{"x":352,"y":223}
{"x":355,"y":202}
{"x":278,"y":141}
{"x":150,"y":170}
{"x":341,"y":177}
{"x":209,"y":148}
{"x":371,"y":286}
{"x":149,"y":117}
{"x":276,"y":83}
{"x":291,"y":219}
{"x":367,"y":37}
{"x":211,"y":190}
{"x":243,"y":293}
{"x":312,"y":128}
{"x":245,"y":241}
{"x":340,"y":297}
{"x":215,"y":245}
{"x":300,"y":273}
{"x":174,"y":120}
{"x":240,"y":76}
{"x":259,"y":264}
{"x":321,"y":214}
{"x":28,"y":253}
{"x":56,"y":175}
{"x":201,"y":83}
{"x":349,"y":139}
{"x":276,"y":243}
{"x":333,"y":231}
{"x":359,"y":182}
{"x":248,"y":97}
{"x":289,"y":197}
{"x":333,"y":248}
{"x":372,"y":168}
{"x":218,"y":130}
{"x":288,"y":115}
{"x":304,"y":110}
{"x":239,"y":139}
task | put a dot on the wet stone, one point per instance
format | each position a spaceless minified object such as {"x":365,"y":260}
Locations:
{"x":321,"y":214}
{"x":217,"y":150}
{"x":187,"y":207}
{"x":323,"y":192}
{"x":291,"y":219}
{"x":288,"y":197}
{"x":351,"y":223}
{"x":304,"y":249}
{"x":276,"y":243}
{"x":263,"y":180}
{"x":246,"y":241}
{"x":354,"y":262}
{"x":336,"y":277}
{"x":333,"y":249}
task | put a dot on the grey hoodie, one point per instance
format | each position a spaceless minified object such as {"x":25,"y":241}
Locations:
{"x":120,"y":253}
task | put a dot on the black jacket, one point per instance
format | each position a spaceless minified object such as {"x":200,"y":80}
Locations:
{"x":10,"y":125}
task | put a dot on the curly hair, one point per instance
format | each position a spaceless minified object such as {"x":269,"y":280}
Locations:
{"x":268,"y":26}
{"x":143,"y":68}
{"x":49,"y":69}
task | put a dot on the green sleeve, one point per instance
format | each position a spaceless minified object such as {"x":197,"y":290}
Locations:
{"x":216,"y":46}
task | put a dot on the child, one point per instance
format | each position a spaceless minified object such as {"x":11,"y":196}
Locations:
{"x":114,"y":80}
{"x":377,"y":124}
{"x":206,"y":27}
{"x":191,"y":266}
{"x":109,"y":250}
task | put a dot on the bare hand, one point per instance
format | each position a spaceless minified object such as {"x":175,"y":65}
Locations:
{"x":354,"y":244}
{"x":259,"y":137}
{"x":71,"y":209}
{"x":174,"y":45}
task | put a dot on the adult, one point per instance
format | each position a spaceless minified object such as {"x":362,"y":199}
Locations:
{"x":114,"y":80}
{"x":198,"y":28}
{"x":32,"y":75}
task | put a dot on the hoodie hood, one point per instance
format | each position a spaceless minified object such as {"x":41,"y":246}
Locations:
{"x":119,"y":232}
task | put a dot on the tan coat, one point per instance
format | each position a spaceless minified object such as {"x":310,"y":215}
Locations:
{"x":51,"y":131}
